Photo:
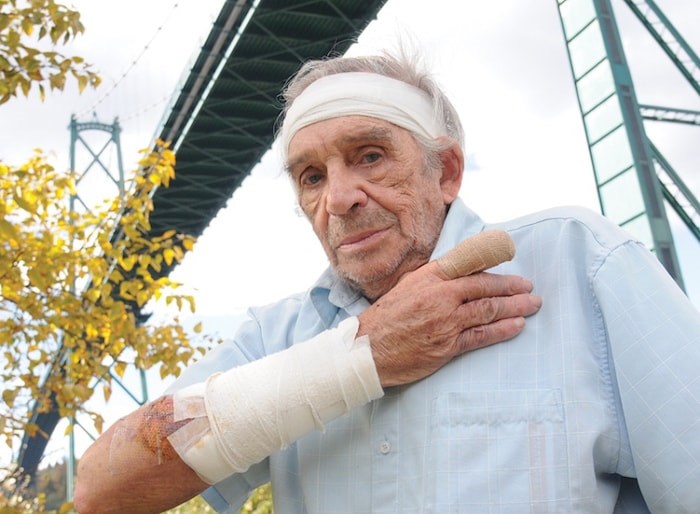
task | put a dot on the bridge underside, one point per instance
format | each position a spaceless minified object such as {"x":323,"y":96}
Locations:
{"x":222,"y":134}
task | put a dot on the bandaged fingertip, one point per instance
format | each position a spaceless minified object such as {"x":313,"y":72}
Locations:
{"x":249,"y":412}
{"x":478,"y":253}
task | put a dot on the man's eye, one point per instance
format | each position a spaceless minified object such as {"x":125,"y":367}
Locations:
{"x":311,"y":178}
{"x":371,"y":157}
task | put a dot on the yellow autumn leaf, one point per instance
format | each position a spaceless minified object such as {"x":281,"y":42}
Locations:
{"x":107,"y":392}
{"x":57,"y":80}
{"x":168,"y":255}
{"x":25,"y":203}
{"x":82,"y":391}
{"x":92,"y":294}
{"x":120,"y":368}
{"x":90,"y":331}
{"x":105,"y":331}
{"x":25,"y":85}
{"x":125,"y":291}
{"x":142,"y":297}
{"x":65,"y":508}
{"x":8,"y":230}
{"x":8,"y":396}
{"x":27,"y":26}
{"x":82,"y":83}
{"x":144,"y":260}
{"x":98,"y":421}
{"x":127,"y":262}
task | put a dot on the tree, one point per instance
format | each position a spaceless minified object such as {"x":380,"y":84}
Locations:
{"x":72,"y":287}
{"x":72,"y":284}
{"x":26,"y":26}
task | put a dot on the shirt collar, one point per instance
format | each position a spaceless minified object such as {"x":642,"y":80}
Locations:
{"x":460,"y":223}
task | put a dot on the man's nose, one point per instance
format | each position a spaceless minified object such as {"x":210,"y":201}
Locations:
{"x":345,"y":190}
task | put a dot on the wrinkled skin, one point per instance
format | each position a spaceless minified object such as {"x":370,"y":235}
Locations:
{"x":427,"y":320}
{"x":374,"y":207}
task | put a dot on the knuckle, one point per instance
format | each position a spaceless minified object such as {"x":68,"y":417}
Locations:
{"x":475,"y":338}
{"x":481,"y":284}
{"x":489,"y":309}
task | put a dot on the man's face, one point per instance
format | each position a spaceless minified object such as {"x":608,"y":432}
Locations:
{"x":363,"y":185}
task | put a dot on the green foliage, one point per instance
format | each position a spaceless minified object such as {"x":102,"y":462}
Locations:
{"x":196,"y":505}
{"x":25,"y":27}
{"x":259,"y":502}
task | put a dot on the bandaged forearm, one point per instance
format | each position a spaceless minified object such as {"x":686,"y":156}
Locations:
{"x":249,"y":412}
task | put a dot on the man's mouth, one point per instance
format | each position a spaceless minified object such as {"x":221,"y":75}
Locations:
{"x":361,"y":240}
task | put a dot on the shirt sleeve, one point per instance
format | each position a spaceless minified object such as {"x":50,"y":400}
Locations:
{"x":654,"y":342}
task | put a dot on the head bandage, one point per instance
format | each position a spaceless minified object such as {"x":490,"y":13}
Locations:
{"x":362,"y":94}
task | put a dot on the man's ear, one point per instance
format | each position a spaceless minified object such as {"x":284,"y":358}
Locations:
{"x":452,"y":160}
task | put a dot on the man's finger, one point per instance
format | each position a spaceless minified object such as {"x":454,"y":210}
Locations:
{"x":486,"y":335}
{"x":477,"y":253}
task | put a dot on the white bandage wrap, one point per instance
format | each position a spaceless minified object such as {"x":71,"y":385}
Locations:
{"x":362,"y":94}
{"x":247,"y":413}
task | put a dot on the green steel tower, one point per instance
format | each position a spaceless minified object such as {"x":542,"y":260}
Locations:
{"x":98,"y":175}
{"x":634,"y":180}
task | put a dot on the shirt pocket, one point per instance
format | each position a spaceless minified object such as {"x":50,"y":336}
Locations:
{"x":497,"y":452}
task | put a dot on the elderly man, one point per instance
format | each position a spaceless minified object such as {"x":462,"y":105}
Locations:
{"x":363,"y":394}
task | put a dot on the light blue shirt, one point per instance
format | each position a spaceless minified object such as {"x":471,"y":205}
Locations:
{"x":603,"y":383}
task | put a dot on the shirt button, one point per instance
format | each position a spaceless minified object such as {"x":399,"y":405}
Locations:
{"x":385,"y":447}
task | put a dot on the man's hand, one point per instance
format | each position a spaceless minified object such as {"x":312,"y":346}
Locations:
{"x":427,"y":319}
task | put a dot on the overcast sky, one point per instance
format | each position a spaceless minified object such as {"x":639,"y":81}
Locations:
{"x":503,"y":63}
